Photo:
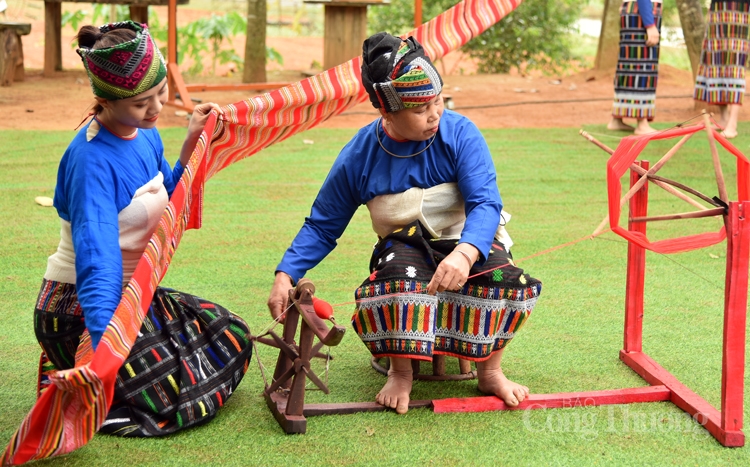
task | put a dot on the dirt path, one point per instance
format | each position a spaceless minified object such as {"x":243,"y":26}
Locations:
{"x":492,"y":101}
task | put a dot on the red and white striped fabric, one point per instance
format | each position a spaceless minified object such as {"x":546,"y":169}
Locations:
{"x":76,"y":403}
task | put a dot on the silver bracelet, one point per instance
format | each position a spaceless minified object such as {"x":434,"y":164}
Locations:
{"x":466,"y":255}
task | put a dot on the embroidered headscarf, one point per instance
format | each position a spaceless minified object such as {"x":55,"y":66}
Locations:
{"x":397,"y":74}
{"x":126,"y":69}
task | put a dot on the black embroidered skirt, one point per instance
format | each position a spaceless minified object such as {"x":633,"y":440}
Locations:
{"x":395,"y":317}
{"x":187,"y":360}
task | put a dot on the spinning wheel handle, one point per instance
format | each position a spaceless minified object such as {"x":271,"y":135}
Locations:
{"x":302,"y":286}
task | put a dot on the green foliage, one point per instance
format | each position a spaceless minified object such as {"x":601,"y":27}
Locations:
{"x":398,"y":17}
{"x":72,"y":18}
{"x":103,"y":13}
{"x":273,"y":55}
{"x":218,"y":29}
{"x":534,"y":36}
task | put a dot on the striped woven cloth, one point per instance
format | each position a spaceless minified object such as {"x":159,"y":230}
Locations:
{"x":726,"y":44}
{"x":68,"y":414}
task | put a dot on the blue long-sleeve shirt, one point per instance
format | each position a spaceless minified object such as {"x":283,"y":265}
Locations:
{"x":363,"y":171}
{"x":646,"y":12}
{"x":95,"y":181}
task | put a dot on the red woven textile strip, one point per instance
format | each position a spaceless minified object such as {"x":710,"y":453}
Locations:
{"x":627,"y":152}
{"x":68,"y":414}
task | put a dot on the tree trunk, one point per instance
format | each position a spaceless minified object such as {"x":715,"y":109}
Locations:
{"x":693,"y":28}
{"x":609,"y":38}
{"x":255,"y":43}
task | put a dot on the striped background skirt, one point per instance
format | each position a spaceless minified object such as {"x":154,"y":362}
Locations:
{"x":721,"y":73}
{"x":395,"y":317}
{"x":187,"y":360}
{"x":637,"y":67}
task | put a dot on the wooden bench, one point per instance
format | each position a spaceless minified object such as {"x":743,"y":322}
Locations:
{"x":11,"y":51}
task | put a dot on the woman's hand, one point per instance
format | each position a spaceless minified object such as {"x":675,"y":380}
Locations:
{"x":453,"y":271}
{"x":652,"y":36}
{"x":200,"y":116}
{"x":195,"y":128}
{"x":277,"y":301}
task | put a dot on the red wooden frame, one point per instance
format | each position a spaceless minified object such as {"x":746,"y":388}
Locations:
{"x":726,"y":424}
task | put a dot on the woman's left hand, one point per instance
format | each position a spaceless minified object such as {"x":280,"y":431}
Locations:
{"x":652,"y":36}
{"x":200,"y":116}
{"x":195,"y":128}
{"x":453,"y":271}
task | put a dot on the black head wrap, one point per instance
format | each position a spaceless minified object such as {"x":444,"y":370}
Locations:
{"x":397,"y":74}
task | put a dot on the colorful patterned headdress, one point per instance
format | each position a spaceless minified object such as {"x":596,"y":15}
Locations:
{"x":126,"y":69}
{"x":397,"y":74}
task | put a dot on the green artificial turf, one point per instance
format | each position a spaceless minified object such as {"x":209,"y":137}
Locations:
{"x":553,"y":183}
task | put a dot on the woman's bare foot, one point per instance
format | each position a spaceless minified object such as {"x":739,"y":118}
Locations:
{"x":729,"y":133}
{"x":723,"y":116}
{"x":732,"y":113}
{"x":618,"y":124}
{"x":643,"y":128}
{"x":395,"y":393}
{"x":493,"y":381}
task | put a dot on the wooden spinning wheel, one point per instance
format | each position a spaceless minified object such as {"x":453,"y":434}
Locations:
{"x":725,"y":424}
{"x":286,"y":395}
{"x":623,"y":159}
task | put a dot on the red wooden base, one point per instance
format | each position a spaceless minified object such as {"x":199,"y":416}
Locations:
{"x":555,"y":401}
{"x":684,"y":398}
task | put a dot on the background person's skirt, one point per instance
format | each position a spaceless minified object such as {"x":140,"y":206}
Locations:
{"x":637,"y":67}
{"x":187,"y":360}
{"x":721,"y":73}
{"x":395,"y":317}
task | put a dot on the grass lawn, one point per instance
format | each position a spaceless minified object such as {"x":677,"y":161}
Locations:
{"x":551,"y":180}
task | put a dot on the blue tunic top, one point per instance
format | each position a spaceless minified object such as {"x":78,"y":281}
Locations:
{"x":363,"y":171}
{"x":95,"y":181}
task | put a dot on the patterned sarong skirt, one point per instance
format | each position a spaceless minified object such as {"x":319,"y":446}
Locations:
{"x":188,"y":358}
{"x":637,"y":67}
{"x":395,"y":317}
{"x":721,"y":73}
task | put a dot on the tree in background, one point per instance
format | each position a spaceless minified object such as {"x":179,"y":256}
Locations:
{"x":534,"y":36}
{"x":255,"y":43}
{"x":692,"y":14}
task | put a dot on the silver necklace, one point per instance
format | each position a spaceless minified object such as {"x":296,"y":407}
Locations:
{"x":377,"y":134}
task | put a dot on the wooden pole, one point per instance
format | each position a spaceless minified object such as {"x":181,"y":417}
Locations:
{"x":52,"y":38}
{"x":174,"y":76}
{"x":644,"y":178}
{"x":636,"y":275}
{"x":641,"y":171}
{"x":596,"y":142}
{"x":654,"y":169}
{"x":715,"y":158}
{"x":139,"y":13}
{"x":682,"y":215}
{"x":735,"y":316}
{"x":417,"y":13}
{"x":172,"y":39}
